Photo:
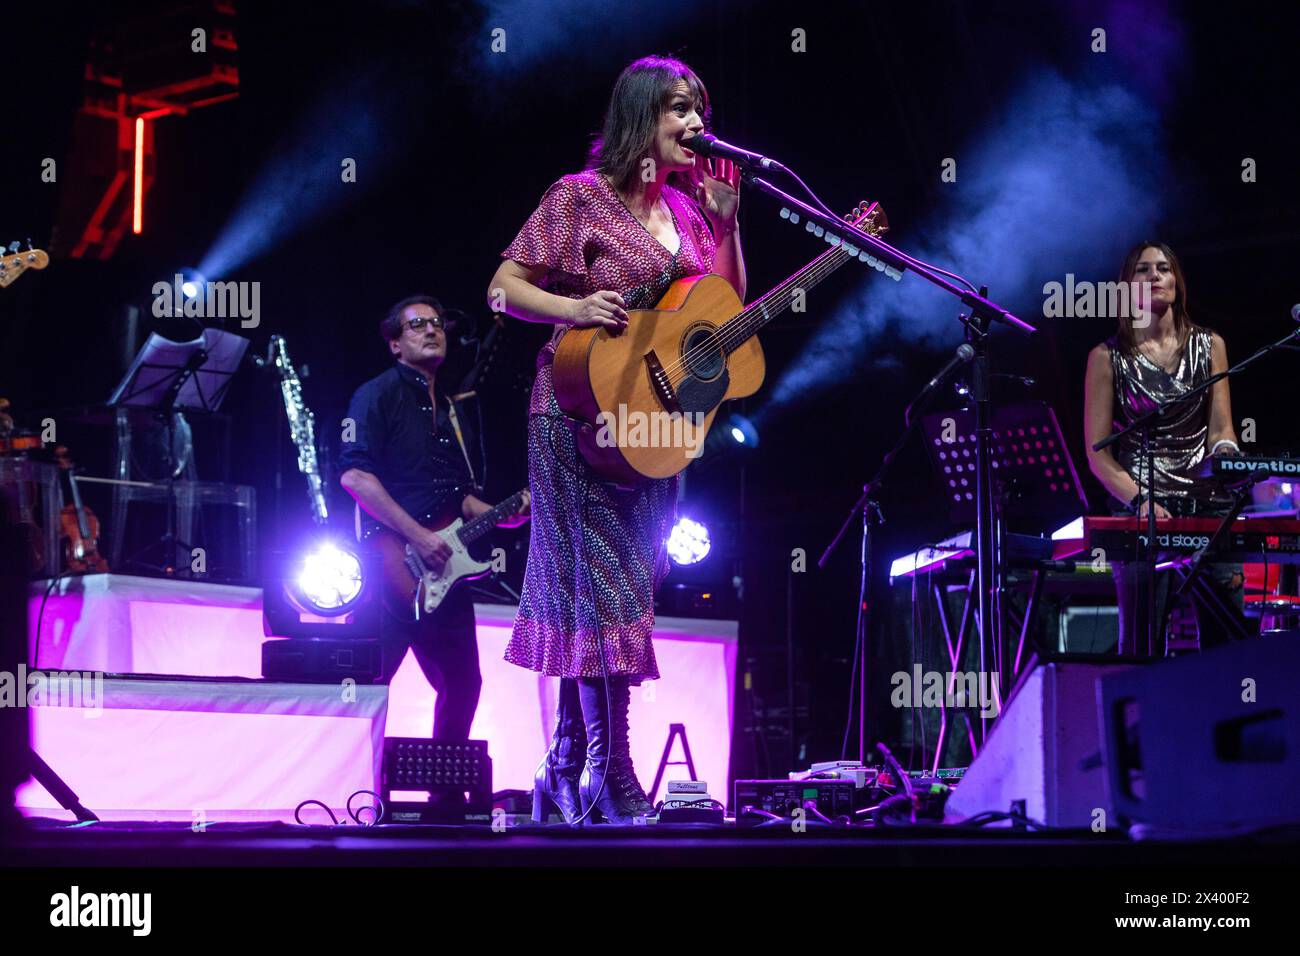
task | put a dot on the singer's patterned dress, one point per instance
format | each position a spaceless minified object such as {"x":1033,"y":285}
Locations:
{"x":614,"y":547}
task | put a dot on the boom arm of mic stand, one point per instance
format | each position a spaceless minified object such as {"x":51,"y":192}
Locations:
{"x":882,"y":250}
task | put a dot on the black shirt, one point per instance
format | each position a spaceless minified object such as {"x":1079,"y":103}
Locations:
{"x":414,"y":454}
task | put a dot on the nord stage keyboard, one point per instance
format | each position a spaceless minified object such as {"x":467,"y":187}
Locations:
{"x":1275,"y":540}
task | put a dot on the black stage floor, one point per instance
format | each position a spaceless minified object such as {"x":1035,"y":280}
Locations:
{"x":56,"y":843}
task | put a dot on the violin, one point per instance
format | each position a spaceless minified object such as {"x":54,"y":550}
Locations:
{"x":14,"y":444}
{"x":78,"y":526}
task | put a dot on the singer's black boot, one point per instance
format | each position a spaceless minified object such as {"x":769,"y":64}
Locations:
{"x":609,"y":759}
{"x":556,"y":782}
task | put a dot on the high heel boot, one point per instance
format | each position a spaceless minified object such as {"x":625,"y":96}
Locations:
{"x":556,"y":781}
{"x":608,"y":756}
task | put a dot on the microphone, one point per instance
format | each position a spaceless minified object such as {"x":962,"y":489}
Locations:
{"x":963,"y":355}
{"x":1295,"y":312}
{"x":706,"y":144}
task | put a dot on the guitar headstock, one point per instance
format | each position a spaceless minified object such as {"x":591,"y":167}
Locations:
{"x":869,"y":217}
{"x":15,"y":263}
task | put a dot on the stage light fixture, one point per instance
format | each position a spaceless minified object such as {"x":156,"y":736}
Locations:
{"x":742,"y":431}
{"x":192,"y":283}
{"x":323,"y":587}
{"x":688,"y":542}
{"x":329,"y":580}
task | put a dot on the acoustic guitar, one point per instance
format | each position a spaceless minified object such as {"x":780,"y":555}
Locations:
{"x":645,"y":399}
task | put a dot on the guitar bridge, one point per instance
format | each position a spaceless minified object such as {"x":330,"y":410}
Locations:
{"x":659,"y":382}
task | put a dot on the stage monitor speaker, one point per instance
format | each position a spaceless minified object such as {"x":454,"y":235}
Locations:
{"x":1208,"y":743}
{"x":1044,"y":750}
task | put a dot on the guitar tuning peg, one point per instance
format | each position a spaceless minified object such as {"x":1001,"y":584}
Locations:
{"x":30,"y":246}
{"x":13,"y":246}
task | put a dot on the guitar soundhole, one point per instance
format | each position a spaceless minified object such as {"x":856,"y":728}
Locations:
{"x":702,"y":354}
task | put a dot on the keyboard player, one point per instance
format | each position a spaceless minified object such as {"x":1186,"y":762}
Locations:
{"x":1153,"y":357}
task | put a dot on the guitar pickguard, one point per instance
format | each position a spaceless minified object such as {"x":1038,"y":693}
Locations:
{"x":705,"y":383}
{"x":699,"y":397}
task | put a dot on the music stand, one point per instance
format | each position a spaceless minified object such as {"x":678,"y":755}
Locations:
{"x":1034,"y":478}
{"x":168,"y":377}
{"x":1034,"y":486}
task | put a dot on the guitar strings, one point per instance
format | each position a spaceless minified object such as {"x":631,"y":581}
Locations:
{"x":735,"y":330}
{"x":738,"y":328}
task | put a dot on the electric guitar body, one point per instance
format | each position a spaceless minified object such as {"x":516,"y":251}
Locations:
{"x":412,"y":589}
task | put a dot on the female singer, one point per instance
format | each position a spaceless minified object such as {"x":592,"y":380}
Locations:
{"x":645,"y":213}
{"x":1151,"y":359}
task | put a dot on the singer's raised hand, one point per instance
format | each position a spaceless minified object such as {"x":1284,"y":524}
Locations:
{"x":720,"y":192}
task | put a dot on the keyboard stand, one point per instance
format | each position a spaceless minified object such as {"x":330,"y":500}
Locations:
{"x":1191,"y":579}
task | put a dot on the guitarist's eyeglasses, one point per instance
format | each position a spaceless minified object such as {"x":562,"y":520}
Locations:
{"x":418,"y":325}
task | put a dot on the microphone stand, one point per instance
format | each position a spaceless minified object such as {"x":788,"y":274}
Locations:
{"x":983,"y":313}
{"x":1144,"y":424}
{"x":872,"y":513}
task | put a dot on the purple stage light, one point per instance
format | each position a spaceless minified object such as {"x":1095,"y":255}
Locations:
{"x":329,"y":579}
{"x":688,"y":543}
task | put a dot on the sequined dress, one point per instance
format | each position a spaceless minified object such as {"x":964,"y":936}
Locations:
{"x":590,"y":538}
{"x":1179,"y":442}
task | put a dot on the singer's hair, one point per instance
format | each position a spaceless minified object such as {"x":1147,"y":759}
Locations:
{"x":641,"y":94}
{"x":390,"y":326}
{"x":1183,"y":323}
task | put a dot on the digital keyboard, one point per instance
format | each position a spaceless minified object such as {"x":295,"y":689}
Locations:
{"x":1229,"y":468}
{"x":1275,"y":540}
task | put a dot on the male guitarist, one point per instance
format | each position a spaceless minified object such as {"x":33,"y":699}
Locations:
{"x":409,"y":466}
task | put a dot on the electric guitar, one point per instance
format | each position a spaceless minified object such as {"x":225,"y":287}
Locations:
{"x":675,"y":364}
{"x":14,"y":263}
{"x":411,"y":588}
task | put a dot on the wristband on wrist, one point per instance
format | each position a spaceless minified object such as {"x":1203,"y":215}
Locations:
{"x":1136,"y":502}
{"x":1224,"y":441}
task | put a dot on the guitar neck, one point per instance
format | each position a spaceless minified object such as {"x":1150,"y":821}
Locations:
{"x":740,"y":328}
{"x":473,"y":530}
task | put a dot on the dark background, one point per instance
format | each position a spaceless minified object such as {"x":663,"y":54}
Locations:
{"x":454,"y":146}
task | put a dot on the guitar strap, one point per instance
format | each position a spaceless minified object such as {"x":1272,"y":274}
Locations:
{"x":460,"y":439}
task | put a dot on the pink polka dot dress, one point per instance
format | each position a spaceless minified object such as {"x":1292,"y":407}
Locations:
{"x":590,"y":538}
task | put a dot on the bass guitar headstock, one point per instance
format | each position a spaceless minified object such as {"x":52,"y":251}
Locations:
{"x":14,"y":263}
